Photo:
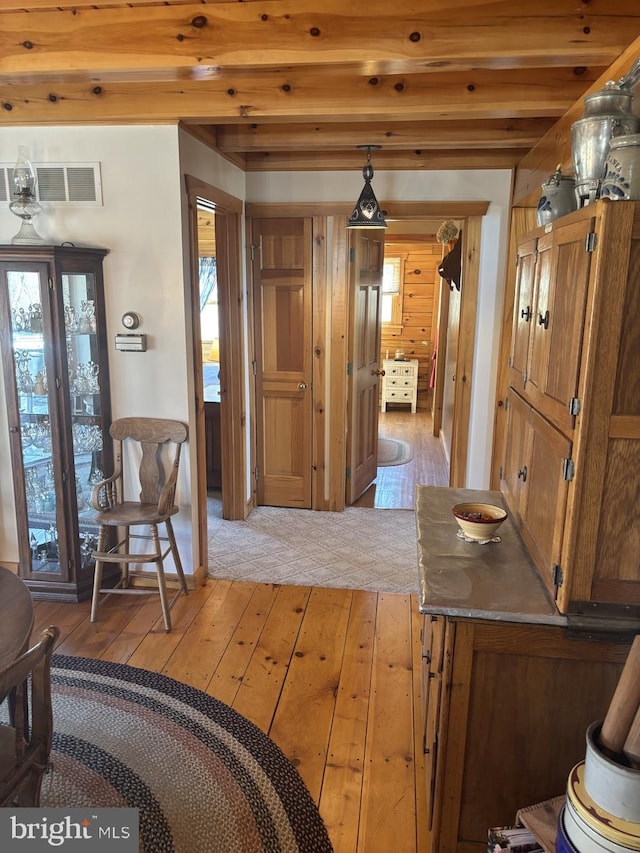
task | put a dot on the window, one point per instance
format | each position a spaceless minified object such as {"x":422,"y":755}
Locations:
{"x":392,"y":278}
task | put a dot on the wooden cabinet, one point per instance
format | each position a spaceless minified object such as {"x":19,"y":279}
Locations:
{"x":572,"y":451}
{"x":56,"y":376}
{"x":507,"y":708}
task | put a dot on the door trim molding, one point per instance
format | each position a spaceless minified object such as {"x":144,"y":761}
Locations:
{"x":228,"y":212}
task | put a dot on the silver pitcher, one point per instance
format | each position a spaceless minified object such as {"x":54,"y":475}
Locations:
{"x":607,"y":114}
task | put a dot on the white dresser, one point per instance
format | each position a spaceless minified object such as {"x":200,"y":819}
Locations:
{"x":400,"y":383}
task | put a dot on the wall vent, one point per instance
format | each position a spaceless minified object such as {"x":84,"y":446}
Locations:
{"x":58,"y":183}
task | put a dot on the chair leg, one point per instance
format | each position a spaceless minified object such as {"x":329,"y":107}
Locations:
{"x":97,"y":576}
{"x":176,"y":556}
{"x":162,"y":586}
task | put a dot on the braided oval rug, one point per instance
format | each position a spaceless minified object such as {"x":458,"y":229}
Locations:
{"x":204,"y":778}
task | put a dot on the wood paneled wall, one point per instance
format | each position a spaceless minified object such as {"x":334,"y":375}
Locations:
{"x":419,"y":307}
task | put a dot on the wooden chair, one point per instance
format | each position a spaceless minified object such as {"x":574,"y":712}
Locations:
{"x":24,"y":754}
{"x":155,"y":506}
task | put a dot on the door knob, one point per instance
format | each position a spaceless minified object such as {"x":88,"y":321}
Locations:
{"x":302,"y":386}
{"x":377,"y":372}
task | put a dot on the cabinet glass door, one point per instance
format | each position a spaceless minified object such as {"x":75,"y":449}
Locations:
{"x":27,"y":317}
{"x":84,"y":399}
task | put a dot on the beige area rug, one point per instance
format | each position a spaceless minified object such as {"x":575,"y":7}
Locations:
{"x":359,"y":548}
{"x":393,"y":451}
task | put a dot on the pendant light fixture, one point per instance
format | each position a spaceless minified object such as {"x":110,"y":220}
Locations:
{"x":367,"y":213}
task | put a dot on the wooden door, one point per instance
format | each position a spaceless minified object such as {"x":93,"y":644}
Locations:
{"x":365,"y":292}
{"x":514,"y":465}
{"x":282,"y":315}
{"x":522,"y":314}
{"x":556,"y":334}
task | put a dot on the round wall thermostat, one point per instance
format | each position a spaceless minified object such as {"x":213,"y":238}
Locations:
{"x":130,"y":320}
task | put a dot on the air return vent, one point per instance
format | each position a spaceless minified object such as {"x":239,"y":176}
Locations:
{"x":58,"y":183}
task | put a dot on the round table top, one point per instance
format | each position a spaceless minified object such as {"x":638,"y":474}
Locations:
{"x":16,"y":617}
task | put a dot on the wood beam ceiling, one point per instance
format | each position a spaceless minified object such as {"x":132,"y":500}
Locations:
{"x":298,"y":84}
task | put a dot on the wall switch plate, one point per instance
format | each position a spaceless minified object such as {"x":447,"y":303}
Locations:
{"x":131,"y":342}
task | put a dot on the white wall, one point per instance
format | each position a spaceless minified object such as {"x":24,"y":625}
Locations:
{"x":141,"y":223}
{"x":493,"y":186}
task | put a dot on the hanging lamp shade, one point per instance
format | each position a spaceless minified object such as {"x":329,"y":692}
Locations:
{"x":367,"y":213}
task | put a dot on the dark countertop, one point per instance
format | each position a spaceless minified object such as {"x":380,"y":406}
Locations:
{"x":495,"y":581}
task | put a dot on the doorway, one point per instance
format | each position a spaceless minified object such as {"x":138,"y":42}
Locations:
{"x":410,"y":308}
{"x":216,"y":289}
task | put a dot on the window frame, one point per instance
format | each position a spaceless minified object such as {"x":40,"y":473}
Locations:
{"x":397,"y":298}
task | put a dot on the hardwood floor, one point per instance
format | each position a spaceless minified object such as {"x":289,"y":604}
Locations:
{"x":394,"y":486}
{"x":333,"y":676}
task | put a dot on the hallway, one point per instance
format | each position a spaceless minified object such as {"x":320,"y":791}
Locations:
{"x":394,"y":486}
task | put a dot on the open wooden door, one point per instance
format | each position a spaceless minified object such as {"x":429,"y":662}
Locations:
{"x":366,"y":258}
{"x":282,"y":314}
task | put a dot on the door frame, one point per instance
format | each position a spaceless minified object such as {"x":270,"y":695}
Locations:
{"x":331,"y":320}
{"x":228,"y":213}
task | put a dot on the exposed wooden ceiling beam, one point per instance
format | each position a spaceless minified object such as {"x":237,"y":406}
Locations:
{"x":504,"y":158}
{"x":400,"y":136}
{"x":298,"y":95}
{"x":462,"y":34}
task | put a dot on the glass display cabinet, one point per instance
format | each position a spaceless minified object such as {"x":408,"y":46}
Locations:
{"x":54,"y":358}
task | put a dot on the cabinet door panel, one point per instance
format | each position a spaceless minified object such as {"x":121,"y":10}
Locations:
{"x":514,"y":466}
{"x":545,"y":495}
{"x":562,"y":278}
{"x":523,"y":312}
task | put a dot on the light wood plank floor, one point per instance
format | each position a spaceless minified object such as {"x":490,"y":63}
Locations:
{"x":394,"y":486}
{"x":333,"y":676}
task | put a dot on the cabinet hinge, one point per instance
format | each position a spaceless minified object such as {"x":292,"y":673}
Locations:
{"x":510,"y":362}
{"x":256,"y":473}
{"x":591,"y":241}
{"x":556,"y":575}
{"x":64,"y":477}
{"x":70,"y":564}
{"x":50,"y":284}
{"x":525,"y":375}
{"x":347,"y":472}
{"x":500,"y":472}
{"x":252,"y":249}
{"x":574,"y":406}
{"x":506,"y":403}
{"x":349,"y":368}
{"x":567,"y":469}
{"x":254,"y":367}
{"x":57,"y":381}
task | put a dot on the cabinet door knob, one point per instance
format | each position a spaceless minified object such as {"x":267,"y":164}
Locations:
{"x":543,"y":320}
{"x":522,"y":474}
{"x":526,"y":314}
{"x":302,"y":386}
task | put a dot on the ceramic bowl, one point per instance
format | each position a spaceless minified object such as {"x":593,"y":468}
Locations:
{"x":479,"y":521}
